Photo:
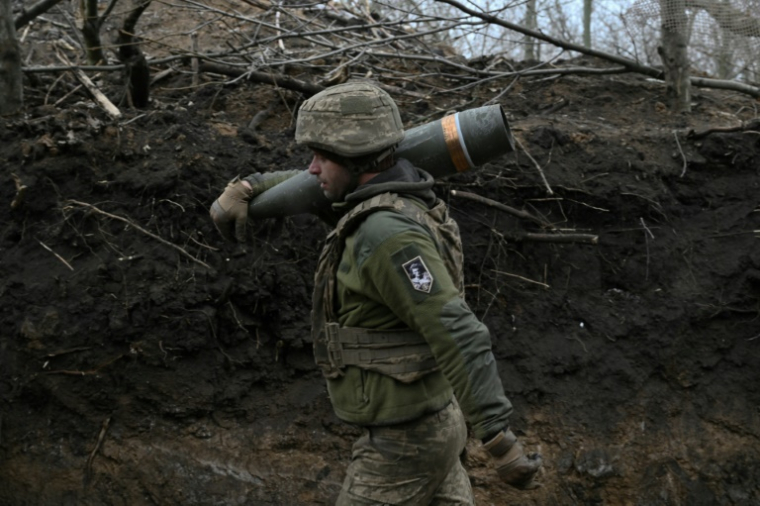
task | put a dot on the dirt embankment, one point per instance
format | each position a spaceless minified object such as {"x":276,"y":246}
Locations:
{"x":143,"y":361}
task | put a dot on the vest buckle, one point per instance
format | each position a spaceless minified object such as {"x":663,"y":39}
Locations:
{"x":334,"y":347}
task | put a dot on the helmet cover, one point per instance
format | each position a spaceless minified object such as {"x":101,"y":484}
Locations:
{"x":350,"y":120}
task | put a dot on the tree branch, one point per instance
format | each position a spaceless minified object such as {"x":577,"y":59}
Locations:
{"x":746,"y":126}
{"x":283,"y":81}
{"x":528,"y":236}
{"x":502,"y":207}
{"x":139,"y":228}
{"x":35,"y":10}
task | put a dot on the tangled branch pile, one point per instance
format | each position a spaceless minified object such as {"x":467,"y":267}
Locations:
{"x":303,"y":47}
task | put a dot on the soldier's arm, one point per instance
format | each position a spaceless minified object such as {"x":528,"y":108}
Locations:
{"x":460,"y":342}
{"x":261,"y":182}
{"x":229,"y":212}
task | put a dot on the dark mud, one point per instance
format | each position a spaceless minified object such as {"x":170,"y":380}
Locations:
{"x":144,"y":361}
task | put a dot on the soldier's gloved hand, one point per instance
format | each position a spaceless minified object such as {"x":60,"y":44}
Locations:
{"x":230,"y":211}
{"x":513,"y":466}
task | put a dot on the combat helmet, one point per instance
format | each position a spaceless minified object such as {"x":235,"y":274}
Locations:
{"x":356,"y":123}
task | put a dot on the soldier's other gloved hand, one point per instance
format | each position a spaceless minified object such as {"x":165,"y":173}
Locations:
{"x":230,"y":211}
{"x":513,"y":466}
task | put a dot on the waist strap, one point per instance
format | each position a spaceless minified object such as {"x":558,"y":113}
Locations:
{"x":402,"y":354}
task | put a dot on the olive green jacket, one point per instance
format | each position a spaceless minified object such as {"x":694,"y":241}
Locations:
{"x":375,"y":290}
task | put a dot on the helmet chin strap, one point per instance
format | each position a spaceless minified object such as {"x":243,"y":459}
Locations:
{"x":384,"y":160}
{"x":354,"y":181}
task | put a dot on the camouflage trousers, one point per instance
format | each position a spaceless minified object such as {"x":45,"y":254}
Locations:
{"x":415,"y":463}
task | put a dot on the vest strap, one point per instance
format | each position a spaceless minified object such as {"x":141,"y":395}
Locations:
{"x":392,"y":352}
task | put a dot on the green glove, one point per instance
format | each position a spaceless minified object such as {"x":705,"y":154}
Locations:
{"x":514,"y":467}
{"x":230,"y":211}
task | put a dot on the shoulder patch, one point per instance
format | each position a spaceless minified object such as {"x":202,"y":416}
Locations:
{"x":418,"y":274}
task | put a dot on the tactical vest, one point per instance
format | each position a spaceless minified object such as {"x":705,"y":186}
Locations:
{"x":401,"y":354}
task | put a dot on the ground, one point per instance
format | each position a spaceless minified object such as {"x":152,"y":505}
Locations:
{"x":145,"y":361}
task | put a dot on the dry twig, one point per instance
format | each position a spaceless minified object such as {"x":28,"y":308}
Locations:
{"x":97,"y":95}
{"x":683,"y":157}
{"x":560,"y":237}
{"x":89,"y":372}
{"x":747,"y":126}
{"x":522,"y":278}
{"x":59,"y":257}
{"x":98,"y":444}
{"x":646,"y":241}
{"x":528,"y":236}
{"x":502,"y":207}
{"x":538,"y":167}
{"x":54,"y":354}
{"x":280,"y":80}
{"x":137,"y":227}
{"x":20,"y":192}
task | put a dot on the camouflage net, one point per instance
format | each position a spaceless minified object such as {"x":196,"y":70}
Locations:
{"x":723,"y":35}
{"x":738,"y":17}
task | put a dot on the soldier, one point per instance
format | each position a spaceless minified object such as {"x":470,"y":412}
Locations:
{"x":400,"y":349}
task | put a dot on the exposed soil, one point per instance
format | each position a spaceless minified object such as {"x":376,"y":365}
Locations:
{"x":144,"y":361}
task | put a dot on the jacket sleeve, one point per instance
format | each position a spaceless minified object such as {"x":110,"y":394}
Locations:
{"x":263,"y":181}
{"x":393,"y":254}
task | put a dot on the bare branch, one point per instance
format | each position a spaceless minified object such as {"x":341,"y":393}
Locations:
{"x":502,"y":207}
{"x":139,"y":228}
{"x":59,"y":257}
{"x":98,"y":95}
{"x":263,"y":77}
{"x":528,"y":236}
{"x":538,"y":167}
{"x":746,"y":126}
{"x":561,"y":237}
{"x":20,"y":192}
{"x":521,"y":278}
{"x":720,"y":84}
{"x":35,"y":10}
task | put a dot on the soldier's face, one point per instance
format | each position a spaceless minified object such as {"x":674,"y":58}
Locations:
{"x":334,"y":179}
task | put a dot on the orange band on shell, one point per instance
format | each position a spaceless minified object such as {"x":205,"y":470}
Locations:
{"x":451,"y":137}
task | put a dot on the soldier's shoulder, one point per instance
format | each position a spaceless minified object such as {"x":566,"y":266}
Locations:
{"x":385,"y":224}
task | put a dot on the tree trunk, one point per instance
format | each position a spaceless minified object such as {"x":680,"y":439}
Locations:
{"x":531,"y":22}
{"x":587,"y":9}
{"x":11,"y":89}
{"x":673,"y":52}
{"x":137,"y":72}
{"x":725,"y":56}
{"x":91,"y":32}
